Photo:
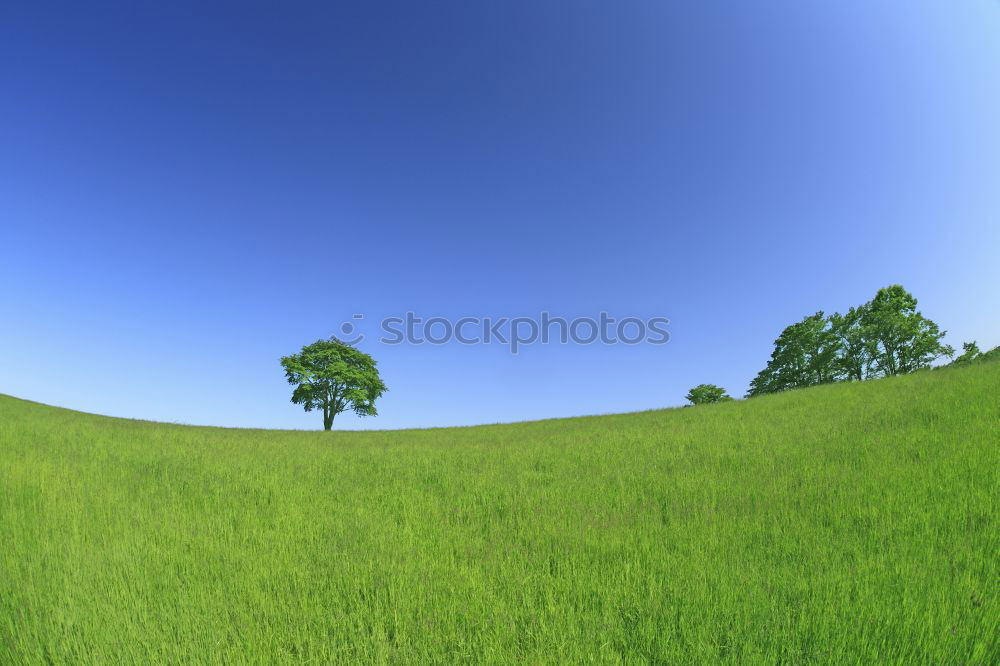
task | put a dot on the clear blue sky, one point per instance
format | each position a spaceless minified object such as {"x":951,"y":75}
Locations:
{"x":189,"y":191}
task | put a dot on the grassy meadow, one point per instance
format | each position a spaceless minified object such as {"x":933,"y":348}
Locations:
{"x":848,"y":523}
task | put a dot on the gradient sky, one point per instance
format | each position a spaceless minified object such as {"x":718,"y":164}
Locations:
{"x":189,"y":192}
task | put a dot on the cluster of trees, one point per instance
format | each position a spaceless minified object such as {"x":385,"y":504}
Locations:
{"x":884,"y":337}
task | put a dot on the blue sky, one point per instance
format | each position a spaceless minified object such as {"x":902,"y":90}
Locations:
{"x":189,"y":192}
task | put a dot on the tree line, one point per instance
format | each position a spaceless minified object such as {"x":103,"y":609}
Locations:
{"x":884,"y":337}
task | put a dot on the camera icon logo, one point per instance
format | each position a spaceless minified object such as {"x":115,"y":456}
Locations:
{"x":348,"y":329}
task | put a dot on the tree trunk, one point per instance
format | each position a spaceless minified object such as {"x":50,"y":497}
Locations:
{"x":327,"y":418}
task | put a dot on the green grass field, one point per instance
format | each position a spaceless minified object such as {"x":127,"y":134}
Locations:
{"x":850,"y":523}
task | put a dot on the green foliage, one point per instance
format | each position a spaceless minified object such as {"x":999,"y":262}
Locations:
{"x":970,"y":353}
{"x":850,"y":523}
{"x":884,"y":337}
{"x":333,"y":376}
{"x":704,"y":394}
{"x":805,"y":354}
{"x":904,"y":340}
{"x":856,"y":353}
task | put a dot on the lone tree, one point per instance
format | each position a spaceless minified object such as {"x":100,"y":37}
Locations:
{"x":333,"y":376}
{"x":703,"y":394}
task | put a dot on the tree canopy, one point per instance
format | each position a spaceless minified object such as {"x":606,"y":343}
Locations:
{"x":804,"y":354}
{"x":333,"y":376}
{"x":704,"y":394}
{"x":903,"y":339}
{"x":886,"y":336}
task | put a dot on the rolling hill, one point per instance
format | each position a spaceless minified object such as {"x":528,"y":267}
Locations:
{"x":840,"y":524}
